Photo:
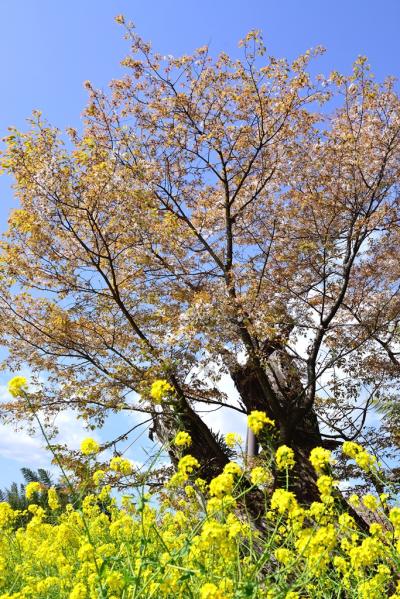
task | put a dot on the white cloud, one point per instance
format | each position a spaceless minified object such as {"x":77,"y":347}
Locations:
{"x":30,"y":450}
{"x":21,"y":447}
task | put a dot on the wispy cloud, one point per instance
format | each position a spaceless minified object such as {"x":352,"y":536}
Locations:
{"x":21,"y":447}
{"x":30,"y":449}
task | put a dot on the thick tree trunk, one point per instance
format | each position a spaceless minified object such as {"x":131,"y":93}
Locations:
{"x":302,"y":437}
{"x":205,"y":447}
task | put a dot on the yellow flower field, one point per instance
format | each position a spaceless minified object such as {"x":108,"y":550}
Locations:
{"x":193,"y":539}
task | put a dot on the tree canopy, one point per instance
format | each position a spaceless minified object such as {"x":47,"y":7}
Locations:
{"x":233,"y":213}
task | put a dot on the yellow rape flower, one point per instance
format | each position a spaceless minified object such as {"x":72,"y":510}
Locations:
{"x":341,"y":564}
{"x":187,"y":464}
{"x":351,"y":449}
{"x":208,"y":538}
{"x":320,"y":458}
{"x":283,"y":555}
{"x":346,"y":521}
{"x":354,"y":500}
{"x":223,"y":504}
{"x":260,"y":476}
{"x":185,"y":467}
{"x":222,"y":485}
{"x":366,"y":554}
{"x":365,"y":460}
{"x":370,"y":502}
{"x":189,"y":490}
{"x":98,"y":476}
{"x":104,"y":494}
{"x":115,"y":581}
{"x":121,"y":465}
{"x":233,"y":468}
{"x":325,"y":485}
{"x":317,"y":510}
{"x":232,"y":439}
{"x":52,"y":499}
{"x":177,"y":479}
{"x":283,"y":501}
{"x":284,"y":457}
{"x":159,"y":390}
{"x":32,"y":488}
{"x":211,"y":591}
{"x":7,"y":514}
{"x":201,"y":484}
{"x":183,"y":439}
{"x":256,"y":421}
{"x":375,"y":529}
{"x":235,"y":526}
{"x":89,"y":446}
{"x":79,"y":591}
{"x":384,"y":497}
{"x":316,"y":546}
{"x":394,"y":517}
{"x":18,"y":386}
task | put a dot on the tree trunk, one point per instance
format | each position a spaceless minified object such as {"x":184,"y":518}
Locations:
{"x":205,"y":447}
{"x":301,"y":439}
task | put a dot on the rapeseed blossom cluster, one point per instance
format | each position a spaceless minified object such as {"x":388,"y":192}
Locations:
{"x":233,"y":468}
{"x":183,"y":439}
{"x":200,"y":539}
{"x":222,"y":485}
{"x":159,"y":390}
{"x":257,"y":420}
{"x":233,"y":439}
{"x":260,"y":476}
{"x":52,"y":499}
{"x":363,"y":459}
{"x":186,"y":465}
{"x":98,"y":476}
{"x":283,"y":501}
{"x":121,"y":465}
{"x":17,"y":386}
{"x":320,"y":459}
{"x":89,"y":446}
{"x":284,"y":457}
{"x":325,"y":485}
{"x":32,"y":488}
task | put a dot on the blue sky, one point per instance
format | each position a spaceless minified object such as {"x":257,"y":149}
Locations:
{"x":49,"y":48}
